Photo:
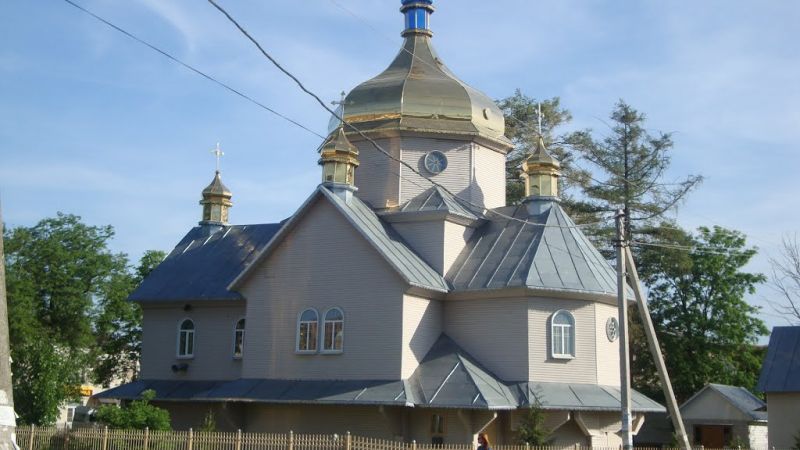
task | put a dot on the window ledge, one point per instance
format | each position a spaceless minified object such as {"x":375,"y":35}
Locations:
{"x":562,"y":357}
{"x":332,"y":352}
{"x":305,"y":352}
{"x":236,"y":358}
{"x":184,"y":357}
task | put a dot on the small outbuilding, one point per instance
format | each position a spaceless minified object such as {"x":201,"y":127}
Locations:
{"x":725,"y":416}
{"x":780,"y":381}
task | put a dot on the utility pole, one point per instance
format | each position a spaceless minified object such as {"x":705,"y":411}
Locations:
{"x":8,"y":423}
{"x":655,"y":350}
{"x":624,"y":361}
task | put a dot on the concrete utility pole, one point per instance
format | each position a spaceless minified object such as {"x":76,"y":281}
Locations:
{"x":624,"y":361}
{"x":8,"y":423}
{"x":655,"y":350}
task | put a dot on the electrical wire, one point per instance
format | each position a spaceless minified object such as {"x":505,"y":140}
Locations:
{"x":193,"y":69}
{"x":482,"y":211}
{"x":687,"y":248}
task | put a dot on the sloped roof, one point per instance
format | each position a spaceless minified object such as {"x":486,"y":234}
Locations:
{"x":414,"y":270}
{"x":781,"y":369}
{"x":204,"y":262}
{"x":448,"y":377}
{"x":388,"y":243}
{"x":544,"y":251}
{"x":436,"y":199}
{"x":355,"y":392}
{"x":742,"y":399}
{"x":580,"y":397}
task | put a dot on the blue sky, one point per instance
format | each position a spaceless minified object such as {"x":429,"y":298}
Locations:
{"x":97,"y":125}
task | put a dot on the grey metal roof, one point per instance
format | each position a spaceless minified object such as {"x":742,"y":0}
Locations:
{"x":781,"y":369}
{"x":204,"y":262}
{"x":356,"y":392}
{"x":580,"y":397}
{"x":742,"y":399}
{"x":436,"y":199}
{"x":448,"y":377}
{"x":544,"y":251}
{"x":388,"y":243}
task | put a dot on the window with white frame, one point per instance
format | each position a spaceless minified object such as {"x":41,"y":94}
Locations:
{"x":333,"y":329}
{"x":238,"y":339}
{"x":186,"y":339}
{"x":307,"y":336}
{"x":562,"y":335}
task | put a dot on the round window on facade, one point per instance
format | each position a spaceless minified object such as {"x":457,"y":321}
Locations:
{"x":435,"y":162}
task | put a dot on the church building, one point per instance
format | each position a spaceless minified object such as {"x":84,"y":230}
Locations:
{"x":403,"y":300}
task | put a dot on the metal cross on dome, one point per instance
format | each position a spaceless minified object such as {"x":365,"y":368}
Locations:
{"x":341,"y":104}
{"x":218,"y":153}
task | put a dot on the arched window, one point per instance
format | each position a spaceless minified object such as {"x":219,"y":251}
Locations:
{"x":186,"y":339}
{"x":333,"y":338}
{"x":307,"y":336}
{"x":562,"y":335}
{"x":238,"y":339}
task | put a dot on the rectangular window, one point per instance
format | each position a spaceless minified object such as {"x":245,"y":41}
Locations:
{"x":308,"y":336}
{"x":238,"y":343}
{"x":333,"y":335}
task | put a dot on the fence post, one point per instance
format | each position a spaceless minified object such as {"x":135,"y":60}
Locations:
{"x":577,"y":446}
{"x":527,"y":446}
{"x":190,"y":442}
{"x":348,"y":443}
{"x":33,"y":435}
{"x":104,"y":444}
{"x":291,"y":441}
{"x":66,"y":438}
{"x":146,"y":438}
{"x":239,"y":439}
{"x":413,"y":444}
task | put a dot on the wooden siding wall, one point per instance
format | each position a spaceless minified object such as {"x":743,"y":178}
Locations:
{"x":377,"y":175}
{"x":490,"y":177}
{"x":426,"y":239}
{"x":438,"y":242}
{"x":323,"y":262}
{"x":457,"y":177}
{"x":455,"y":239}
{"x":422,"y":325}
{"x":607,"y":352}
{"x":784,"y":409}
{"x":372,"y":421}
{"x":213,"y":342}
{"x":494,"y":331}
{"x":582,"y":368}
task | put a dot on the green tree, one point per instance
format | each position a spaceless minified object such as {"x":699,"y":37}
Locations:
{"x":627,"y":172}
{"x":522,"y":127}
{"x":119,"y":324}
{"x":138,"y":414}
{"x":706,"y":328}
{"x":532,"y":429}
{"x":61,"y":277}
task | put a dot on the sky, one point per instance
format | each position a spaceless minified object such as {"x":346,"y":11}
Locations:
{"x":94,"y":124}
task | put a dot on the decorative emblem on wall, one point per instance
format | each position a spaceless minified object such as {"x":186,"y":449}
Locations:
{"x":612,"y":329}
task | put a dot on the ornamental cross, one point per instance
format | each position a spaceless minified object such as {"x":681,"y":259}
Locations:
{"x":340,"y":103}
{"x":539,"y":116}
{"x":218,"y":153}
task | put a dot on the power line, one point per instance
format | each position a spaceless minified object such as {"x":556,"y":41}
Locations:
{"x":482,"y":210}
{"x":687,"y":248}
{"x":193,"y":69}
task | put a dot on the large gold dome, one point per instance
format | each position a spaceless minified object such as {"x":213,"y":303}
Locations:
{"x":418,"y":92}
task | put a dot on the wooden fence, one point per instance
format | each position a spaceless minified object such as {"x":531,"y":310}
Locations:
{"x":33,"y":438}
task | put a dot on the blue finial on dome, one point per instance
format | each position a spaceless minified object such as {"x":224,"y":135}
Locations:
{"x":417,"y":15}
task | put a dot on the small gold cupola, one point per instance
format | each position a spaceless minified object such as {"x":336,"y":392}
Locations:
{"x":216,"y":198}
{"x":339,"y":159}
{"x":540,"y":172}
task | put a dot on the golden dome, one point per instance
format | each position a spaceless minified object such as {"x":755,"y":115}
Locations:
{"x":418,"y":92}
